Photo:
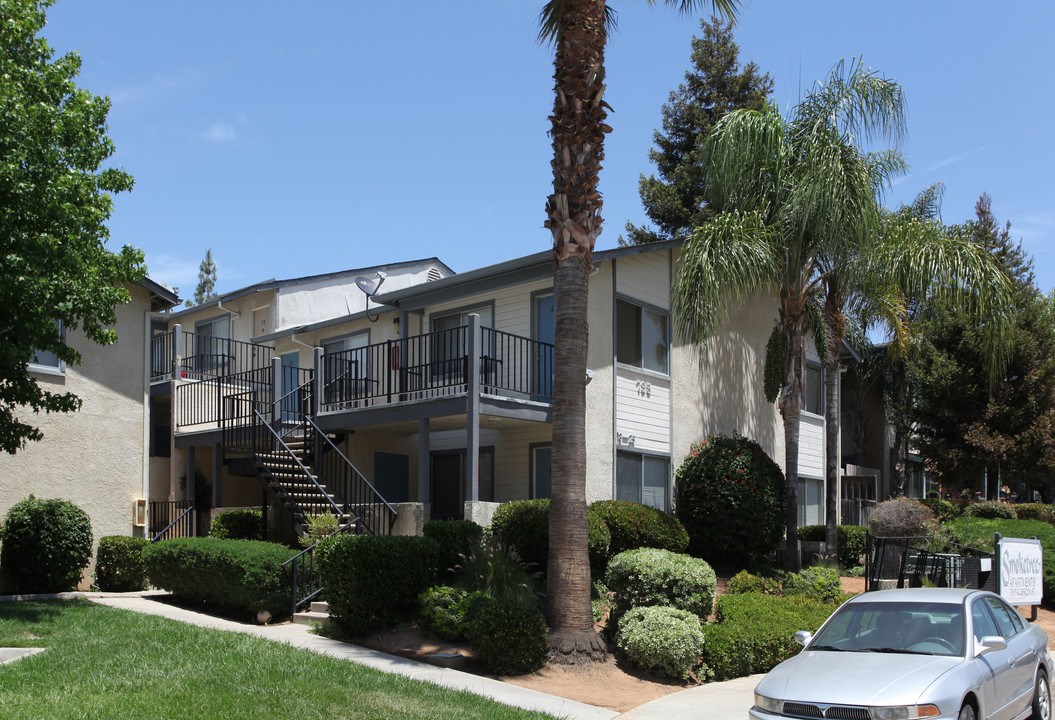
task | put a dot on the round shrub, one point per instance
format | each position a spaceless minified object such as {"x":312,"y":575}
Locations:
{"x":442,"y":612}
{"x":509,"y":639}
{"x":119,"y":564}
{"x":242,"y":524}
{"x":46,"y":545}
{"x":524,"y":524}
{"x":745,"y":582}
{"x":991,"y":509}
{"x":729,"y":495}
{"x":900,"y":517}
{"x":650,"y":576}
{"x":454,"y":538}
{"x":634,"y":525}
{"x":817,"y":583}
{"x":661,"y":640}
{"x":944,"y":511}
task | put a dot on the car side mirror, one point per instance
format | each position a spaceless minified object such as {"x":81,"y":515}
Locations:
{"x":990,"y":643}
{"x":803,"y":636}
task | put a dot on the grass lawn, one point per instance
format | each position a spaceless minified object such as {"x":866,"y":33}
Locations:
{"x":106,"y":663}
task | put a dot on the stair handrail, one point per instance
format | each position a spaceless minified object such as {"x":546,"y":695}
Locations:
{"x":160,"y":535}
{"x":379,"y":499}
{"x":263,"y":421}
{"x":291,"y":573}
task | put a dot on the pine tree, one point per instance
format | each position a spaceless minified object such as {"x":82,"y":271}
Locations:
{"x":714,"y":86}
{"x":964,"y":425}
{"x":206,"y":281}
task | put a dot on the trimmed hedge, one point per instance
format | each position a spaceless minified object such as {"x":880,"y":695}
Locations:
{"x":244,"y":575}
{"x":242,"y":524}
{"x":852,"y":539}
{"x":634,"y":525}
{"x":371,"y":581}
{"x":651,"y":576}
{"x":443,"y":612}
{"x":661,"y":640}
{"x":119,"y":564}
{"x":991,"y":509}
{"x":752,"y":633}
{"x":46,"y":545}
{"x":454,"y":538}
{"x":979,"y":532}
{"x":730,"y":497}
{"x":509,"y":639}
{"x":817,"y":583}
{"x":524,"y":524}
{"x":1036,"y":511}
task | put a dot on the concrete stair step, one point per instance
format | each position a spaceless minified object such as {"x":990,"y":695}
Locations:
{"x":311,"y":618}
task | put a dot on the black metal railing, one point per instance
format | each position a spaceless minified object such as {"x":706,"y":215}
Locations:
{"x":436,"y":364}
{"x":515,"y":365}
{"x":303,"y":575}
{"x":359,"y":499}
{"x":203,"y":403}
{"x":205,"y":356}
{"x":908,"y":562}
{"x":171,"y":519}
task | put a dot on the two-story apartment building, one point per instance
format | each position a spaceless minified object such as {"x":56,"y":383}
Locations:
{"x":435,"y":401}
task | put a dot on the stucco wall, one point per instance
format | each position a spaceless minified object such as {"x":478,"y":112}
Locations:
{"x":95,"y":457}
{"x":600,"y":430}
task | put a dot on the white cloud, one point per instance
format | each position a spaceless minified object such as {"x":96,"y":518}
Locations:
{"x":221,"y":132}
{"x":957,"y":158}
{"x":176,"y":272}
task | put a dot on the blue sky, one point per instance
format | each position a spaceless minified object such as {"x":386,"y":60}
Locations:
{"x":301,"y":138}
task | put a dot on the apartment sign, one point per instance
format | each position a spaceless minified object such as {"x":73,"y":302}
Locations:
{"x":1021,"y":569}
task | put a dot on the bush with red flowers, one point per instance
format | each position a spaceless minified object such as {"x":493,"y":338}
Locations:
{"x":729,"y":495}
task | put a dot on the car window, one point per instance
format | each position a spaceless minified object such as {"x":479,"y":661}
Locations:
{"x":910,"y":627}
{"x":983,"y":621}
{"x":1002,"y":614}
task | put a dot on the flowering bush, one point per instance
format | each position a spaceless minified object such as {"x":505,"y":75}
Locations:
{"x":662,"y":640}
{"x":729,"y":495}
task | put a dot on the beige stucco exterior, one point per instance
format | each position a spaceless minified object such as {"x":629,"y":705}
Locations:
{"x":96,"y":457}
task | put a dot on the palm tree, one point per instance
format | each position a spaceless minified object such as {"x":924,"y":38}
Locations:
{"x":786,"y":193}
{"x":579,"y":29}
{"x":910,"y":255}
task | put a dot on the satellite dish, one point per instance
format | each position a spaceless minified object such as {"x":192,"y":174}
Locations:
{"x":370,"y":285}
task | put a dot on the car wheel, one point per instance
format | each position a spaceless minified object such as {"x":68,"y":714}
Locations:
{"x":966,"y":712}
{"x":1042,"y":698}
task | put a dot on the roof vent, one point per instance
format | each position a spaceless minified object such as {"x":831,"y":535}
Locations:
{"x":434,"y":274}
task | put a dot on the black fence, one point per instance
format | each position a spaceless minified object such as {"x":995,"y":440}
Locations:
{"x":205,"y":356}
{"x":907,"y":562}
{"x":171,"y":519}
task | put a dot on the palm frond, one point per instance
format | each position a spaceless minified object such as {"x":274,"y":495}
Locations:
{"x":730,"y":257}
{"x":549,"y":19}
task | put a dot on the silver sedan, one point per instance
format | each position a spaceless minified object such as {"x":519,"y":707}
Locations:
{"x":919,"y":653}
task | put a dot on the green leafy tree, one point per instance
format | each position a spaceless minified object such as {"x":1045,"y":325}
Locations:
{"x":56,"y":274}
{"x":714,"y":86}
{"x":964,"y":424}
{"x":206,"y":281}
{"x":579,"y":29}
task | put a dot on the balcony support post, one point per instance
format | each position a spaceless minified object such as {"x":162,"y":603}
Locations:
{"x":424,"y":462}
{"x":474,"y":342}
{"x":276,"y":397}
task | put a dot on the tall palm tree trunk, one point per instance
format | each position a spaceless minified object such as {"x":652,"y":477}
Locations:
{"x":836,"y":322}
{"x":574,"y":217}
{"x":790,"y":404}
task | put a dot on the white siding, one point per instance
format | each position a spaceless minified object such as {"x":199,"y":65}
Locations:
{"x":643,"y":411}
{"x":811,"y":446}
{"x":645,"y":277}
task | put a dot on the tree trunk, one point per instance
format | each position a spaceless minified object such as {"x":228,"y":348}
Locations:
{"x":790,"y":403}
{"x":574,"y":218}
{"x":836,"y":322}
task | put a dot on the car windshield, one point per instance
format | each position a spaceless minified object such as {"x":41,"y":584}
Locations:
{"x":894,"y":627}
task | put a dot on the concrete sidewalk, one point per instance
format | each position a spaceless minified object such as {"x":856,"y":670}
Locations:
{"x":716,"y":701}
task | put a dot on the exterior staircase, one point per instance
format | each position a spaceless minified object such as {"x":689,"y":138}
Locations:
{"x":317,"y":613}
{"x":293,"y":480}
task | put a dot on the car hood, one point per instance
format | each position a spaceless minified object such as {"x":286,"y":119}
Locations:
{"x":854,"y":678}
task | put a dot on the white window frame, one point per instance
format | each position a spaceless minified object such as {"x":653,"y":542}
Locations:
{"x":643,"y":458}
